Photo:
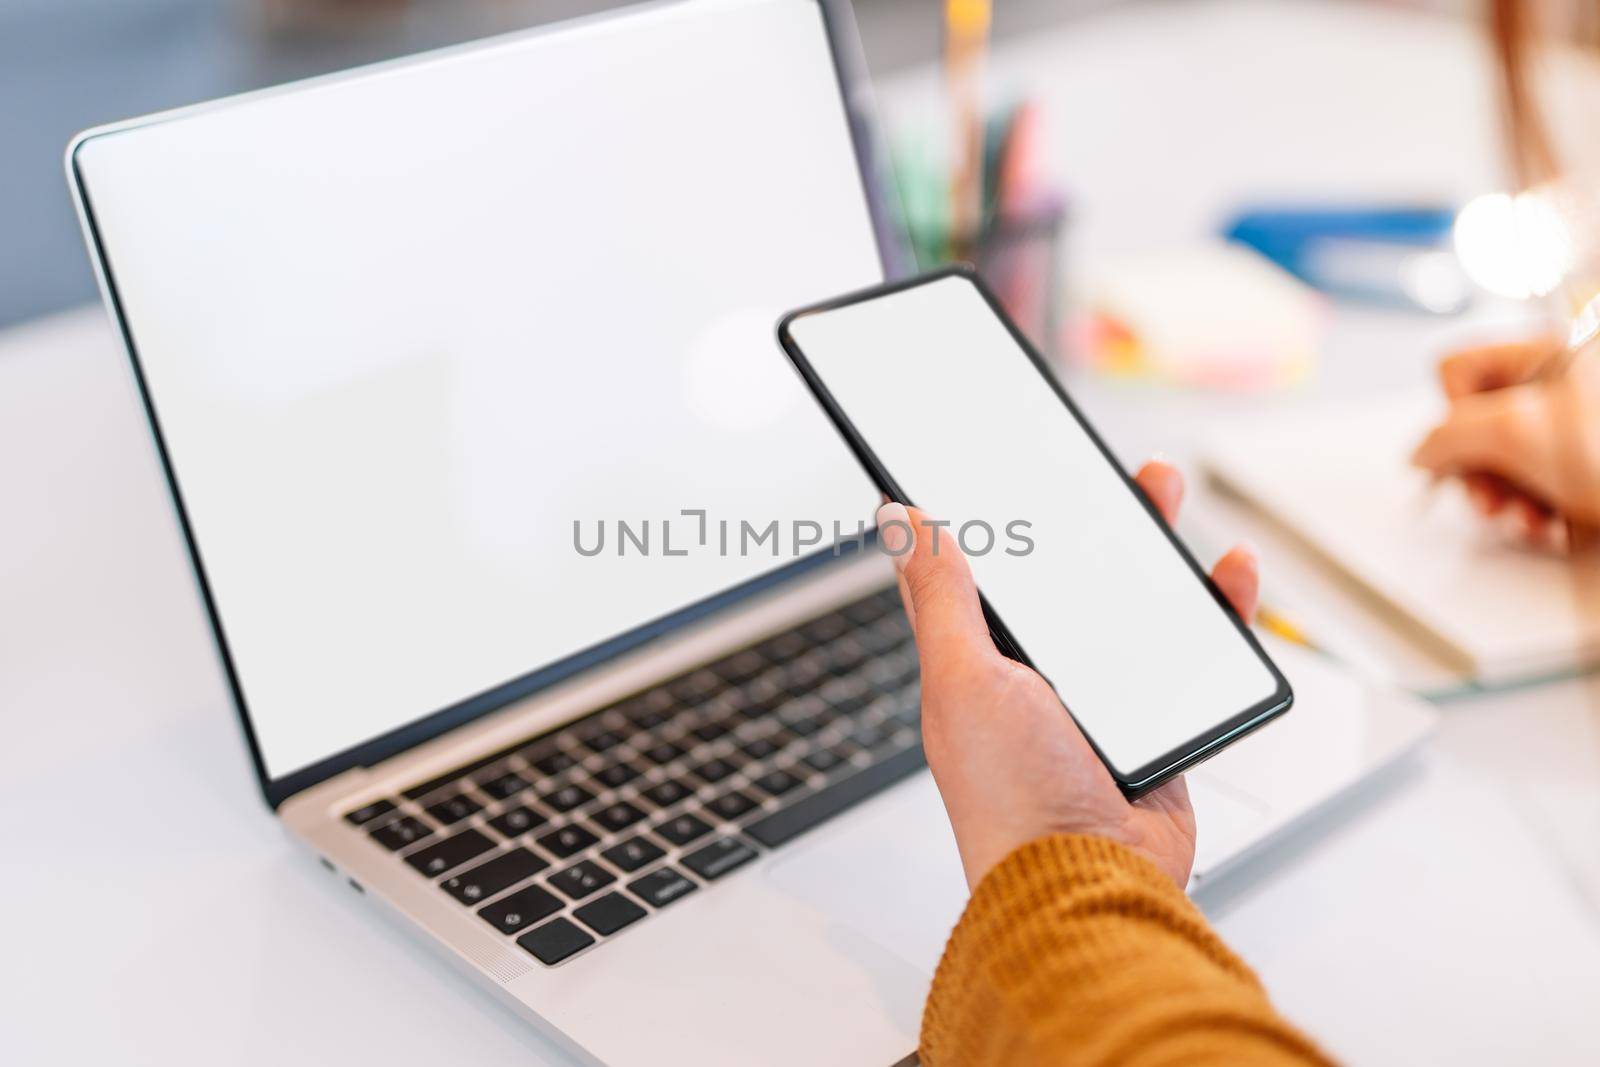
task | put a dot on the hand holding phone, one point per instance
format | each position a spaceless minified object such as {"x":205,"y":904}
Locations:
{"x":1011,"y":766}
{"x":947,"y":406}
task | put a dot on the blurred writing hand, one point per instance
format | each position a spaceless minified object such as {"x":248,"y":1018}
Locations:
{"x":1009,"y":761}
{"x":1526,"y":447}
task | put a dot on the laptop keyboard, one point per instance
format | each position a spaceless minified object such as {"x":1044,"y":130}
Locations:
{"x":568,"y":838}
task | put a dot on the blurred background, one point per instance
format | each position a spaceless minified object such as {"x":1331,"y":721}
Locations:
{"x":1248,"y":228}
{"x":69,"y":64}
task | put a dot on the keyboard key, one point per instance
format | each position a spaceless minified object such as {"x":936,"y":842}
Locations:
{"x":401,"y":832}
{"x":649,"y":711}
{"x":777,"y":782}
{"x":617,"y":774}
{"x":633,"y":854}
{"x":889,"y":634}
{"x":826,"y":759}
{"x":842,"y":691}
{"x":454,"y":809}
{"x":550,"y":761}
{"x":821,"y":631}
{"x":663,"y":753}
{"x":889,"y":672}
{"x":601,"y":739}
{"x":555,"y":941}
{"x":515,"y":821}
{"x":740,"y":667}
{"x":713,"y":770}
{"x":451,"y":852}
{"x":567,"y":841}
{"x":768,"y":686}
{"x":567,"y":797}
{"x":660,"y":888}
{"x":752,"y":709}
{"x":846,"y":654}
{"x":581,"y":879}
{"x":869,"y":736}
{"x":759,"y":748}
{"x":850,"y":703}
{"x":681,"y":829}
{"x":667,"y":793}
{"x":521,"y":909}
{"x":698,"y":687}
{"x":648,"y":720}
{"x":809,"y":727}
{"x":731,"y":805}
{"x":801,"y":707}
{"x":794,"y":820}
{"x":784,"y":647}
{"x":487,"y":879}
{"x":710,"y":731}
{"x":505,"y":786}
{"x":806,"y":673}
{"x":619,"y":816}
{"x":865,"y":612}
{"x":609,"y":913}
{"x":364,"y":815}
{"x":718,"y":858}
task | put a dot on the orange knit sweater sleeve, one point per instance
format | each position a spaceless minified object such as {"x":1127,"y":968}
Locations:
{"x":1075,"y":950}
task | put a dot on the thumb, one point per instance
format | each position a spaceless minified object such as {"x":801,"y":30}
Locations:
{"x":936,"y":583}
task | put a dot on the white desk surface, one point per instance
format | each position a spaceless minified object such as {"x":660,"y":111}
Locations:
{"x":152,"y":911}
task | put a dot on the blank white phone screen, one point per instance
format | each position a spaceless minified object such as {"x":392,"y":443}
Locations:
{"x":962,"y":420}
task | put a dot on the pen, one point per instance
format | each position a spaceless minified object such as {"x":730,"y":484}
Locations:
{"x":1583,"y":331}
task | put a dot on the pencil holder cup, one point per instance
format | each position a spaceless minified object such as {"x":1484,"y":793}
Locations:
{"x":1020,"y":258}
{"x":1018,"y":254}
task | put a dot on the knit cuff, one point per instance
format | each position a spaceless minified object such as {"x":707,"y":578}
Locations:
{"x":1066,"y":911}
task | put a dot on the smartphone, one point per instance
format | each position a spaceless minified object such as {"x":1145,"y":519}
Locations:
{"x":950,"y":409}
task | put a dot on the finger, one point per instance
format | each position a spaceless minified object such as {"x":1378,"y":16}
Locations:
{"x":1487,"y":433}
{"x":1477,"y":370}
{"x":899,"y":578}
{"x":1238,"y":575}
{"x":1488,"y":494}
{"x":1533,"y":520}
{"x":947,"y":618}
{"x":1163,"y":484}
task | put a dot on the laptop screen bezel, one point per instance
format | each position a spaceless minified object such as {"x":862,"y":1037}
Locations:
{"x":852,"y":82}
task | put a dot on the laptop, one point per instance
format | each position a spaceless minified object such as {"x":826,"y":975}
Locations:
{"x":537,"y":579}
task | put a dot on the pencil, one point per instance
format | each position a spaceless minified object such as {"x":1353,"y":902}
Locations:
{"x":966,"y":38}
{"x":1274,"y":623}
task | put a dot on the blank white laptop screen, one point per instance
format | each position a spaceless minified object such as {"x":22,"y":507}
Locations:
{"x":402,"y":331}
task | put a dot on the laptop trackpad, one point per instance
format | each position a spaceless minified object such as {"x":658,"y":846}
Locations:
{"x":888,"y":872}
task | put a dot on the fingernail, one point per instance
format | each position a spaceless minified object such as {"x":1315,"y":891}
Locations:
{"x":1248,"y":547}
{"x":895,"y":535}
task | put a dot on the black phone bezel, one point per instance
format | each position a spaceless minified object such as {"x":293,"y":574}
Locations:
{"x":1140,"y":780}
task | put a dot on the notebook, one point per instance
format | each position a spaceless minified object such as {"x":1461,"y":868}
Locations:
{"x":1337,"y":478}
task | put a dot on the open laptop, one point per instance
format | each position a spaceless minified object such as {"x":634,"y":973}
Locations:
{"x":463,"y":376}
